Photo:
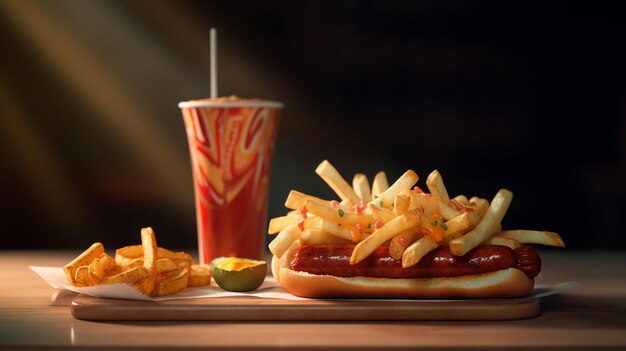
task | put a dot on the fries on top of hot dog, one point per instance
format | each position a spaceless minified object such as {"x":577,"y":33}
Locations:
{"x":400,"y":217}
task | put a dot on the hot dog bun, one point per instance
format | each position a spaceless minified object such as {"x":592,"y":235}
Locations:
{"x":510,"y":282}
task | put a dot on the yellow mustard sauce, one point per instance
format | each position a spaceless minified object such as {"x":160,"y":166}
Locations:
{"x":235,"y":264}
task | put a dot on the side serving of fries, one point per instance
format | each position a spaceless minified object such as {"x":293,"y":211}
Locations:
{"x":411,"y":221}
{"x":153,"y":270}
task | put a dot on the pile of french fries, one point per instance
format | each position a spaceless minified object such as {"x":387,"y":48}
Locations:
{"x":411,"y":221}
{"x":153,"y":270}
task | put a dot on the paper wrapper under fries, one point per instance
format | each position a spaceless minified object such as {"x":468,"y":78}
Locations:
{"x":140,"y":272}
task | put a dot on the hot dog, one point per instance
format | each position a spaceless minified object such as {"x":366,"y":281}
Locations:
{"x":397,"y":241}
{"x":323,"y":271}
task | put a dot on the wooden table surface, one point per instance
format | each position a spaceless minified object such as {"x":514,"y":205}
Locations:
{"x":591,"y":316}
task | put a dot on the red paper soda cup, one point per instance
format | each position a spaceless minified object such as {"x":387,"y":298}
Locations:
{"x":231,"y":143}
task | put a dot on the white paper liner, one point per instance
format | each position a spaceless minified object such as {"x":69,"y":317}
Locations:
{"x":55,"y":277}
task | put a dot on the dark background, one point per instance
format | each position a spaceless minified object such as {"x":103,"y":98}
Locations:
{"x":528,"y":96}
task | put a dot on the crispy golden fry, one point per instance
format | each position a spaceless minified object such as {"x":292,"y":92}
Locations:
{"x":401,"y":204}
{"x":336,"y":182}
{"x":183,"y":259}
{"x":166,"y":265}
{"x":132,"y":256}
{"x":379,"y":214}
{"x":284,"y":239}
{"x":424,"y":201}
{"x":532,"y":237}
{"x":386,"y":198}
{"x":331,"y":228}
{"x":480,"y":207}
{"x":279,"y":223}
{"x":414,"y":253}
{"x":457,"y":225}
{"x":448,"y":212}
{"x":173,"y":283}
{"x":84,"y":259}
{"x":199,"y":275}
{"x":401,"y":241}
{"x":362,"y":187}
{"x":295,"y":200}
{"x":130,"y":277}
{"x":149,"y":245}
{"x":337,"y":215}
{"x":487,"y":226}
{"x":437,"y":188}
{"x":386,"y":232}
{"x":379,"y":184}
{"x":494,"y":240}
{"x":84,"y":278}
{"x":320,"y":237}
{"x":130,"y":263}
{"x":103,"y":266}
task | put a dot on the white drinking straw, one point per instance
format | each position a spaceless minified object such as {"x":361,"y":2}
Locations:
{"x":213,"y":35}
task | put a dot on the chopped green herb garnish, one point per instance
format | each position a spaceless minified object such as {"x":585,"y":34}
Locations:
{"x":436,"y":222}
{"x":369,"y":225}
{"x":444,"y":226}
{"x":376,"y":196}
{"x":340,"y":213}
{"x":380,"y":203}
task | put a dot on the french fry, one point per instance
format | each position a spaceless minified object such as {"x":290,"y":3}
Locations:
{"x":480,"y":207}
{"x":284,"y":239}
{"x":494,"y":240}
{"x":130,"y":277}
{"x":199,"y":275}
{"x":337,"y":214}
{"x":332,"y":228}
{"x":386,"y":232}
{"x":486,"y":227}
{"x":336,"y":182}
{"x":295,"y":200}
{"x":436,"y":187}
{"x":379,"y":184}
{"x":166,"y":265}
{"x":132,"y":256}
{"x":103,"y":266}
{"x":173,"y":283}
{"x":401,"y":241}
{"x":532,"y":237}
{"x":379,"y":214}
{"x":320,"y":237}
{"x":425,"y":201}
{"x":149,"y":245}
{"x":279,"y":223}
{"x":84,"y":259}
{"x":448,"y":212}
{"x":457,"y":225}
{"x":362,"y":187}
{"x":401,"y":204}
{"x":414,"y":253}
{"x":386,"y":198}
{"x":84,"y":278}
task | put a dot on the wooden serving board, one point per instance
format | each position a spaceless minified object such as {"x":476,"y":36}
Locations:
{"x":263,"y":309}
